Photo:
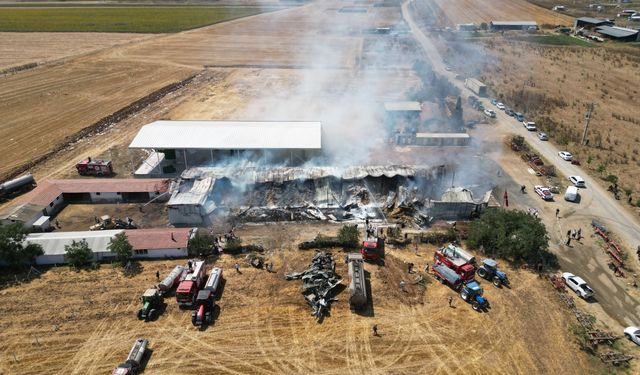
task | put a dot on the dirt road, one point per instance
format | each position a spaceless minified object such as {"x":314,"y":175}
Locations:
{"x":596,"y":203}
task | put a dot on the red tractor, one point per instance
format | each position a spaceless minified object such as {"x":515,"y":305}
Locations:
{"x":373,"y":250}
{"x":464,"y":269}
{"x":94,"y":167}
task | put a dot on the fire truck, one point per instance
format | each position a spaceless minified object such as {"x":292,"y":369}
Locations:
{"x":192,"y":282}
{"x":94,"y":167}
{"x":373,"y":250}
{"x":205,"y":303}
{"x":464,"y":269}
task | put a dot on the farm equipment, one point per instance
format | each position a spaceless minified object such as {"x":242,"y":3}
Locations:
{"x":152,"y":303}
{"x":106,"y":222}
{"x":94,"y":167}
{"x":373,"y":250}
{"x":188,"y":288}
{"x":357,"y":286}
{"x":471,"y":292}
{"x":447,"y":276}
{"x":489,"y":271}
{"x":133,"y":364}
{"x":17,"y":185}
{"x":172,"y":280}
{"x":203,"y":314}
{"x":537,"y":164}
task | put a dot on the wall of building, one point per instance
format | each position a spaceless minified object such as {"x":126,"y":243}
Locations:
{"x":160,"y":253}
{"x":55,"y":206}
{"x":105,"y":197}
{"x":185,"y":215}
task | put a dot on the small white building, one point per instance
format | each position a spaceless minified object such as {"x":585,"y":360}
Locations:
{"x":53,"y":244}
{"x":160,"y":243}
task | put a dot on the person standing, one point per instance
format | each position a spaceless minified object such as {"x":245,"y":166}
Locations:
{"x":557,"y":212}
{"x":237,"y":267}
{"x":450,"y":301}
{"x":158,"y":275}
{"x":579,"y":234}
{"x":375,"y":330}
{"x":402,"y":285}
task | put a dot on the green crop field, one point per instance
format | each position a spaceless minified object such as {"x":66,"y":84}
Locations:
{"x":144,"y":19}
{"x":558,"y":40}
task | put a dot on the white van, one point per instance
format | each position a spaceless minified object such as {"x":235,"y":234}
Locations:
{"x":571,"y":194}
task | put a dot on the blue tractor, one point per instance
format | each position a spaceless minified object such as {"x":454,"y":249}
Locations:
{"x":471,"y":292}
{"x":489,"y":271}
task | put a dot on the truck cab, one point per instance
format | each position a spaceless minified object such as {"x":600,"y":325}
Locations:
{"x":373,"y":250}
{"x":203,"y":314}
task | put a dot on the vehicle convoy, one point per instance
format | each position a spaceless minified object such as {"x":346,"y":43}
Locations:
{"x":446,"y":276}
{"x":464,"y":269}
{"x":151,"y":305}
{"x":373,"y":250}
{"x":578,"y":285}
{"x":357,"y":285}
{"x":489,"y":271}
{"x":192,"y":282}
{"x":205,"y":301}
{"x":633,"y":334}
{"x":543,"y":192}
{"x":471,"y":292}
{"x":17,"y":186}
{"x":172,"y":280}
{"x":133,"y":364}
{"x":94,"y":167}
{"x":476,"y":86}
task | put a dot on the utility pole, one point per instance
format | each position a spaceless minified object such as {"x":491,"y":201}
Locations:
{"x":587,"y":119}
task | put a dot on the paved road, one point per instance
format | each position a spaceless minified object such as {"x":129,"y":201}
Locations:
{"x":596,"y":203}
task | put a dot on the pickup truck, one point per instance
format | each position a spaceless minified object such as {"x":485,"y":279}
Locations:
{"x":578,"y":285}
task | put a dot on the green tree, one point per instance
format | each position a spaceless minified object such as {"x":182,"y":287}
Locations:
{"x":13,"y":250}
{"x":612,"y":178}
{"x":120,"y":246}
{"x":601,"y":168}
{"x":78,"y":253}
{"x":513,"y":235}
{"x":201,"y":244}
{"x":349,"y":236}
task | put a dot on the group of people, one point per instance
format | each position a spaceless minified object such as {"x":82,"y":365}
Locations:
{"x":573,"y":234}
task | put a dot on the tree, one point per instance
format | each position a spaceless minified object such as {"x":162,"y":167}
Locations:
{"x":513,"y":235}
{"x":78,"y":253}
{"x":484,"y":26}
{"x":612,"y":178}
{"x":200,"y":244}
{"x":12,"y":249}
{"x":120,"y":246}
{"x":601,"y":168}
{"x":349,"y":236}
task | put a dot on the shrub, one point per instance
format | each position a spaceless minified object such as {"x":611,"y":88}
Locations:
{"x":78,"y":253}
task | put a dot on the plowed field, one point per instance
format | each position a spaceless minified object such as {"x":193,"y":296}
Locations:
{"x":477,"y":11}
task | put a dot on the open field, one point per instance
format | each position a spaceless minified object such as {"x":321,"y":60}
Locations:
{"x":79,"y":217}
{"x":580,"y":8}
{"x":156,"y":19}
{"x":452,"y":12}
{"x":85,"y":322}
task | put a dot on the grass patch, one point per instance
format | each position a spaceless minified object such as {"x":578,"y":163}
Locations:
{"x":557,"y":40}
{"x":120,"y":19}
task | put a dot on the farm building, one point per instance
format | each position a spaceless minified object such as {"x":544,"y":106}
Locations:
{"x":466,"y":27}
{"x":147,"y":243}
{"x":27,"y":214}
{"x":590,"y":23}
{"x":433,"y":139}
{"x":179,"y":145}
{"x":512,"y":25}
{"x":620,"y":34}
{"x":190,"y":204}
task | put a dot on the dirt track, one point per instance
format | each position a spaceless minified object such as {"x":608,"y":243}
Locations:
{"x":264,"y":325}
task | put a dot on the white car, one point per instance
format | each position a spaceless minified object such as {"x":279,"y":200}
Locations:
{"x":578,"y":285}
{"x":490,"y":113}
{"x":543,"y":136}
{"x":577,"y":181}
{"x":565,"y":155}
{"x":530,"y":125}
{"x":633,"y":334}
{"x":543,"y":192}
{"x":500,"y":106}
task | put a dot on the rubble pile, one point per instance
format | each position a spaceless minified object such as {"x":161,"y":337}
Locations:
{"x":318,"y":283}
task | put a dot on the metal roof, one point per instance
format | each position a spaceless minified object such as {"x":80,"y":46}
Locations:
{"x":616,"y":32}
{"x":514,"y":23}
{"x":23,"y":213}
{"x":229,"y":135}
{"x":192,"y":192}
{"x":159,"y":238}
{"x":443,"y":135}
{"x":593,"y":20}
{"x":402,"y":106}
{"x":53,"y":243}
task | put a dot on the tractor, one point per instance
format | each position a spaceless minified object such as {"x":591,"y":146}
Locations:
{"x":203,"y":314}
{"x":152,"y":302}
{"x":471,"y":292}
{"x":489,"y":271}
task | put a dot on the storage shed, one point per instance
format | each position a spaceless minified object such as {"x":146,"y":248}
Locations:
{"x":53,"y":244}
{"x":620,"y":34}
{"x":512,"y":25}
{"x":590,"y":23}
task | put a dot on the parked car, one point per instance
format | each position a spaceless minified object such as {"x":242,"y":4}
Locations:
{"x":494,"y":101}
{"x":543,"y":136}
{"x":509,"y":112}
{"x":519,"y":116}
{"x":479,"y":106}
{"x":565,"y":155}
{"x":530,"y":125}
{"x":500,"y":106}
{"x":490,"y":113}
{"x":633,"y":334}
{"x":578,"y":285}
{"x":577,"y":181}
{"x":543,"y":192}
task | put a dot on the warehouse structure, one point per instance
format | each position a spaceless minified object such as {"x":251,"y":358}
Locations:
{"x":620,"y":34}
{"x":512,"y":25}
{"x":590,"y":23}
{"x":178,"y":145}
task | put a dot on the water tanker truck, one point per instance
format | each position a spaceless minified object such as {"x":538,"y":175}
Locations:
{"x":133,"y":364}
{"x":455,"y":252}
{"x":357,"y":286}
{"x":464,"y":269}
{"x":17,"y":185}
{"x":172,"y":280}
{"x":447,"y":276}
{"x":205,"y":301}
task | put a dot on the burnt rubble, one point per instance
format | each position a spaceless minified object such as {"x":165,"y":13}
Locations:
{"x":319,"y":283}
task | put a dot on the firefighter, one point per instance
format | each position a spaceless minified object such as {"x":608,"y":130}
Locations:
{"x":557,"y":212}
{"x":158,"y":275}
{"x":450,"y":301}
{"x":402,"y":284}
{"x":375,"y":330}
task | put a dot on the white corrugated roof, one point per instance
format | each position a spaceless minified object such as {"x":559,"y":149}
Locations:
{"x":229,"y":135}
{"x":192,"y":192}
{"x":54,"y":242}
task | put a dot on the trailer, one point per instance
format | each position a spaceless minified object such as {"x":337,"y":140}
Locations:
{"x":188,"y":288}
{"x":214,"y":281}
{"x":476,"y":86}
{"x":357,"y":287}
{"x":17,"y":185}
{"x":133,"y":364}
{"x":172,"y":280}
{"x":447,"y":276}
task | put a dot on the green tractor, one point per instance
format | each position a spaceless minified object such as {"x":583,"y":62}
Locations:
{"x":152,"y":303}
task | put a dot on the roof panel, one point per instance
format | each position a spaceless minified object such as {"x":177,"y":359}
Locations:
{"x":229,"y":135}
{"x":54,"y":243}
{"x":617,"y":32}
{"x":159,"y":238}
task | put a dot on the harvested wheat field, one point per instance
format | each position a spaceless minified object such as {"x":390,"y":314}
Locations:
{"x":84,"y":322}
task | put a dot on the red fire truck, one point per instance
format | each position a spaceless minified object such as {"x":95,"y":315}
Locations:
{"x":373,"y":250}
{"x":460,"y":266}
{"x":189,"y":286}
{"x":94,"y":167}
